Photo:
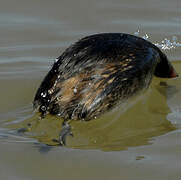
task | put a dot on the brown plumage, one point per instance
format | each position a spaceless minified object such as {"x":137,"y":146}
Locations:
{"x":98,"y":72}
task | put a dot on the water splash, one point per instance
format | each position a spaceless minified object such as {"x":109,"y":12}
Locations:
{"x":145,"y":36}
{"x":165,"y":44}
{"x":169,"y":44}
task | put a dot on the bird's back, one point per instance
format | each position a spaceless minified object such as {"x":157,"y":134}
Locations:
{"x":96,"y":73}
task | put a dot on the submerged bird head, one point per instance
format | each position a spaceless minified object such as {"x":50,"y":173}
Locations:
{"x":164,"y":68}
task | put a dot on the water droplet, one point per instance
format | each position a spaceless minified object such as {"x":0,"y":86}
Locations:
{"x":145,"y":36}
{"x":75,"y":90}
{"x":43,"y":108}
{"x":43,"y":94}
{"x":56,"y":60}
{"x":137,"y":33}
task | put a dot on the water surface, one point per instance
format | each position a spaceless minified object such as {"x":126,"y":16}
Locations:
{"x":140,"y":140}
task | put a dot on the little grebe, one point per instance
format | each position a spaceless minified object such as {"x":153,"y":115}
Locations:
{"x":98,"y":72}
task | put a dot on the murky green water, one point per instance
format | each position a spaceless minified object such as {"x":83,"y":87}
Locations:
{"x":138,"y":140}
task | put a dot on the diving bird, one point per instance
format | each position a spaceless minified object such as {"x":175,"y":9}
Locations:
{"x":96,"y":73}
